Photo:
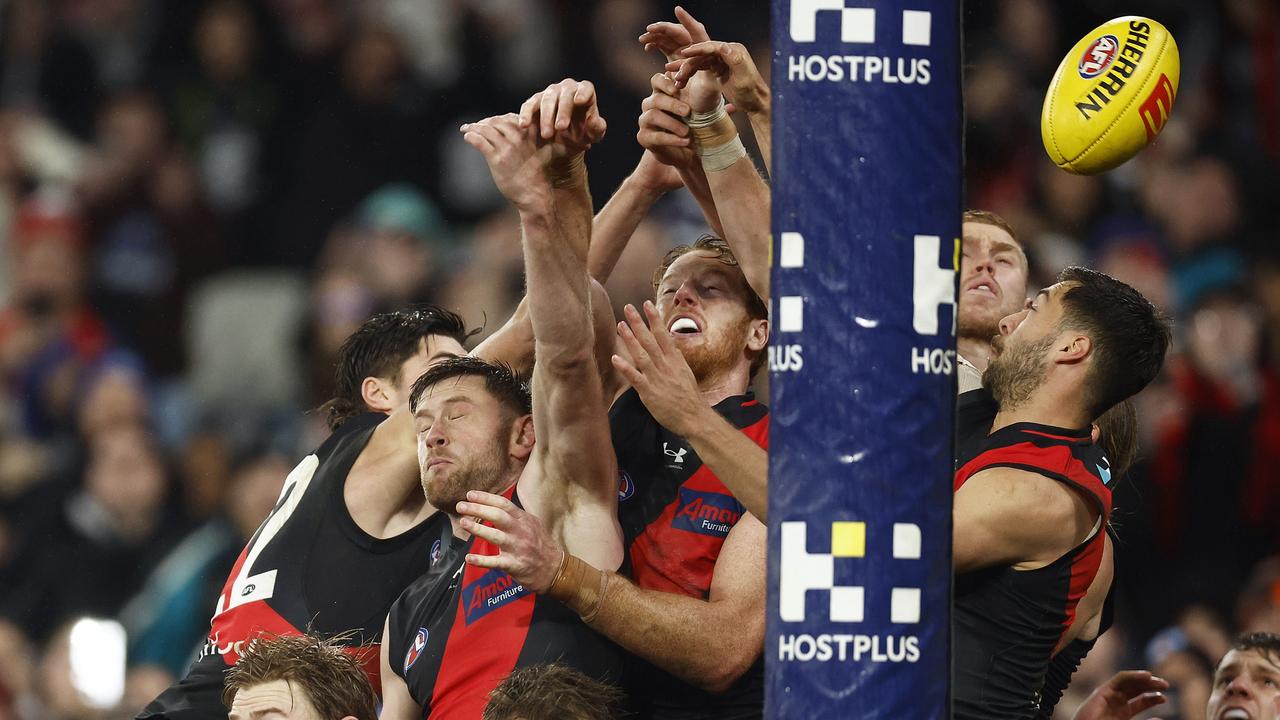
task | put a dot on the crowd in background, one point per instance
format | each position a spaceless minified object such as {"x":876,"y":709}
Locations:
{"x":200,"y":200}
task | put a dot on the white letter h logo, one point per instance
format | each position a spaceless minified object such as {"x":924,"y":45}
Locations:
{"x":931,"y":287}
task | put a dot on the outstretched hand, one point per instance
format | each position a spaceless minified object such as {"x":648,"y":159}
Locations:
{"x":669,"y":38}
{"x":658,"y":371}
{"x":1125,"y":695}
{"x":672,"y":39}
{"x":516,"y":160}
{"x":731,"y":63}
{"x":526,"y":550}
{"x":566,"y":113}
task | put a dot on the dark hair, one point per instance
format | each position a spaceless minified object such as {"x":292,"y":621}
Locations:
{"x":1264,"y":643}
{"x":499,"y":379}
{"x":551,"y":692}
{"x":756,"y":308}
{"x":332,"y":679}
{"x":378,"y":349}
{"x":1129,"y":335}
{"x":1118,"y":437}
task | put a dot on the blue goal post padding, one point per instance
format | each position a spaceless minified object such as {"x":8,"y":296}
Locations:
{"x":867,"y":198}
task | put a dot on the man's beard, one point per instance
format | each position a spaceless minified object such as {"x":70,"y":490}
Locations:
{"x":483,"y":472}
{"x":1014,"y":374}
{"x":717,"y":354}
{"x":982,"y":327}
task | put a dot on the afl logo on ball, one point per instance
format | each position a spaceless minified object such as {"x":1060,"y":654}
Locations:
{"x":415,"y":650}
{"x":1098,"y":56}
{"x":626,"y":487}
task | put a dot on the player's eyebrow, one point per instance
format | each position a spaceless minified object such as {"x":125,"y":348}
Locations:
{"x":1044,"y":292}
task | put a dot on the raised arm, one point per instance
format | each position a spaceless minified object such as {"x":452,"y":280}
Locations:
{"x":537,"y":162}
{"x":740,"y":196}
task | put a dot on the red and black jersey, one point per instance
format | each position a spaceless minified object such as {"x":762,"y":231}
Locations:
{"x":675,"y":514}
{"x":308,"y":568}
{"x":1009,"y":623}
{"x":459,"y":630}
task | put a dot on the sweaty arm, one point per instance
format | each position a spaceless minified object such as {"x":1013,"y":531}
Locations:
{"x":570,"y":484}
{"x":708,"y":643}
{"x":397,"y":703}
{"x":1005,"y":516}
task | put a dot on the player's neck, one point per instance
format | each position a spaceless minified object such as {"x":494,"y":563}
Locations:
{"x":1047,"y":406}
{"x":455,"y":520}
{"x":723,"y":385}
{"x":975,"y":350}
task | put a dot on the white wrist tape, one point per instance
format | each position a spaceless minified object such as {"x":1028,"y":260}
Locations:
{"x":715,"y":138}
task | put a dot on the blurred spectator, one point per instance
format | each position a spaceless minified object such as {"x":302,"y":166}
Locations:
{"x":225,"y":112}
{"x":154,"y":237}
{"x":168,"y":618}
{"x":43,"y":66}
{"x":49,"y":335}
{"x":87,"y":553}
{"x":377,"y":129}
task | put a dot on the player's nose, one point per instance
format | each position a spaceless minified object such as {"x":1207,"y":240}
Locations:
{"x":1009,"y":323}
{"x":686,"y":294}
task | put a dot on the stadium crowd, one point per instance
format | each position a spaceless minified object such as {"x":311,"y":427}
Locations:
{"x":200,"y":201}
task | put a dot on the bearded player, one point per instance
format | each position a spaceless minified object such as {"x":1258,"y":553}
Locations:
{"x":351,"y":528}
{"x":1032,"y":501}
{"x":688,"y":435}
{"x":460,"y":629}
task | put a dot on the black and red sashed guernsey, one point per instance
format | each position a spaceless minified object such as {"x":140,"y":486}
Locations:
{"x":459,"y":630}
{"x":675,"y":515}
{"x":308,"y":567}
{"x":1009,"y":623}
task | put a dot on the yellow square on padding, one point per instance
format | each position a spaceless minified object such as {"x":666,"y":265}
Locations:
{"x":848,"y":539}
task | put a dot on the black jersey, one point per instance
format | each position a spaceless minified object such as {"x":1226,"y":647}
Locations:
{"x":309,"y":567}
{"x":1008,"y":624}
{"x":459,"y":630}
{"x":675,"y":515}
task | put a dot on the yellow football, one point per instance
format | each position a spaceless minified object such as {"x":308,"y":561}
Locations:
{"x":1111,"y":96}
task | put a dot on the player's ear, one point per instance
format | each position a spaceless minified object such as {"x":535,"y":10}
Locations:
{"x":757,"y":335}
{"x":1074,"y":347}
{"x":522,"y":438}
{"x":376,"y":394}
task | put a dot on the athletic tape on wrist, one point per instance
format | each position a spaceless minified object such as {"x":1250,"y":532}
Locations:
{"x":715,"y":138}
{"x":580,"y":586}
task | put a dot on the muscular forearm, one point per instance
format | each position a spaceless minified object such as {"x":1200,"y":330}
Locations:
{"x":693,"y":639}
{"x":743,"y":201}
{"x":555,"y":240}
{"x":739,"y":463}
{"x":616,"y":222}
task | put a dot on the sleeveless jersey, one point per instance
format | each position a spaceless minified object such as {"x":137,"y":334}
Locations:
{"x":459,"y":630}
{"x":1008,"y":623}
{"x":309,"y":567}
{"x":675,"y":514}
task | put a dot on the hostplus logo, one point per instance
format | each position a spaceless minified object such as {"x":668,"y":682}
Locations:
{"x":859,"y":26}
{"x":801,"y":571}
{"x":933,"y":287}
